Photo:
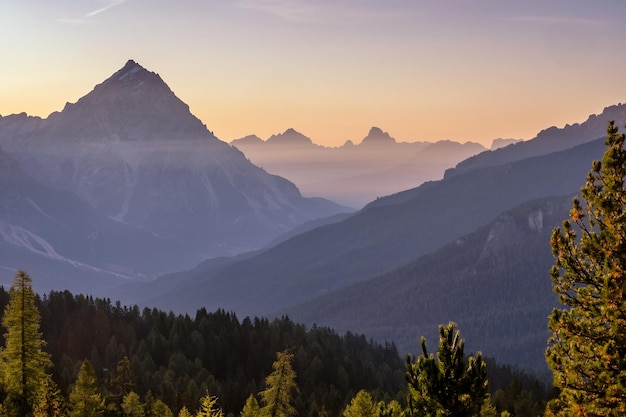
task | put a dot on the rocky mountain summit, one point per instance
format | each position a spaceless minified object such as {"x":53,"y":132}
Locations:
{"x":135,"y":154}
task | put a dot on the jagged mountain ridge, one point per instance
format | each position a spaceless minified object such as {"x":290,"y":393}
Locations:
{"x":354,"y":174}
{"x":552,"y":139}
{"x":133,"y":151}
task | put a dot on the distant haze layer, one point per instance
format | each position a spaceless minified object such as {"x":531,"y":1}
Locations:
{"x":426,"y":71}
{"x":355,"y":174}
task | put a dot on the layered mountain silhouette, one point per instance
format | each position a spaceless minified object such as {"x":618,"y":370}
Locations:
{"x":132,"y":152}
{"x":126,"y":182}
{"x":548,"y":140}
{"x":472,"y":247}
{"x":493,"y":283}
{"x":354,"y":174}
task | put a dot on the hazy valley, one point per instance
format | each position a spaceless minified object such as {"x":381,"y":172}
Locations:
{"x":127,"y":196}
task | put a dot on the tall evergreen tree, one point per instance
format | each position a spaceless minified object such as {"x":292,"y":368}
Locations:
{"x":280,"y":385}
{"x":120,"y":384}
{"x":85,"y":399}
{"x":23,"y":360}
{"x":587,"y":349}
{"x":49,"y":401}
{"x":208,"y":407}
{"x":449,"y":385}
{"x":362,"y":405}
{"x":251,"y":408}
{"x":132,"y":406}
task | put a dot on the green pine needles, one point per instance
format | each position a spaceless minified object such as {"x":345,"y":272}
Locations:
{"x":449,"y":385}
{"x":587,"y":349}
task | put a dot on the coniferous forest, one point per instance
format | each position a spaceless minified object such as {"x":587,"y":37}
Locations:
{"x":125,"y":355}
{"x":65,"y":354}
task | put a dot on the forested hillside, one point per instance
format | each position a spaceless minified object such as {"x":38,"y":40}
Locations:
{"x":178,"y":359}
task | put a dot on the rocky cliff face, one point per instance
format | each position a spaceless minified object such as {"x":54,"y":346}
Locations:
{"x":132,"y":150}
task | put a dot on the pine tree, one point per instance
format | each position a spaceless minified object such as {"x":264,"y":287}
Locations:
{"x":85,"y":399}
{"x":49,"y":400}
{"x":184,"y":412}
{"x":23,"y":360}
{"x":391,"y":409}
{"x":587,"y":349}
{"x":280,"y":385}
{"x":251,"y":408}
{"x":132,"y":406}
{"x":449,"y":385}
{"x":120,"y":384}
{"x":208,"y":407}
{"x":362,"y":405}
{"x":160,"y":409}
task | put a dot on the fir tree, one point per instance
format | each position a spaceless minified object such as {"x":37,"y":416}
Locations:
{"x":121,"y":384}
{"x":85,"y":399}
{"x":160,"y":409}
{"x":362,"y":405}
{"x":208,"y":407}
{"x":449,"y":385}
{"x":132,"y":406}
{"x":280,"y":385}
{"x":251,"y":408}
{"x":587,"y":349}
{"x":23,"y":360}
{"x":184,"y":412}
{"x":49,"y":400}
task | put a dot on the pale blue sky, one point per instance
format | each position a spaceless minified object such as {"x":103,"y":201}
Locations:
{"x":421,"y":70}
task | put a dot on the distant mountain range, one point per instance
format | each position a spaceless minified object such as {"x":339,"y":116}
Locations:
{"x":130,"y":154}
{"x":356,"y":174}
{"x":472,"y":247}
{"x":126,"y":183}
{"x":548,"y":140}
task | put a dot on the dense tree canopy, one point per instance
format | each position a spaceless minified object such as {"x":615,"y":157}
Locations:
{"x":178,"y":358}
{"x":587,"y":350}
{"x":170,"y":361}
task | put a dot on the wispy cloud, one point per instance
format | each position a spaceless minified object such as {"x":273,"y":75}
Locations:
{"x":105,"y":6}
{"x":109,"y":5}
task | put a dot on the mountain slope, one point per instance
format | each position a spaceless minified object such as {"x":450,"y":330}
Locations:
{"x":66,"y":243}
{"x":547,"y":141}
{"x":383,"y":236}
{"x":493,"y":283}
{"x":132,"y":150}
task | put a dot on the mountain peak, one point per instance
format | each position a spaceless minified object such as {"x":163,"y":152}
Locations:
{"x":131,"y":70}
{"x":377,"y":137}
{"x":132,"y":104}
{"x":134,"y":75}
{"x":290,"y":137}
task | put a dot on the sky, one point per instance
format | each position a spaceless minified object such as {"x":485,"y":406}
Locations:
{"x":331,"y":69}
